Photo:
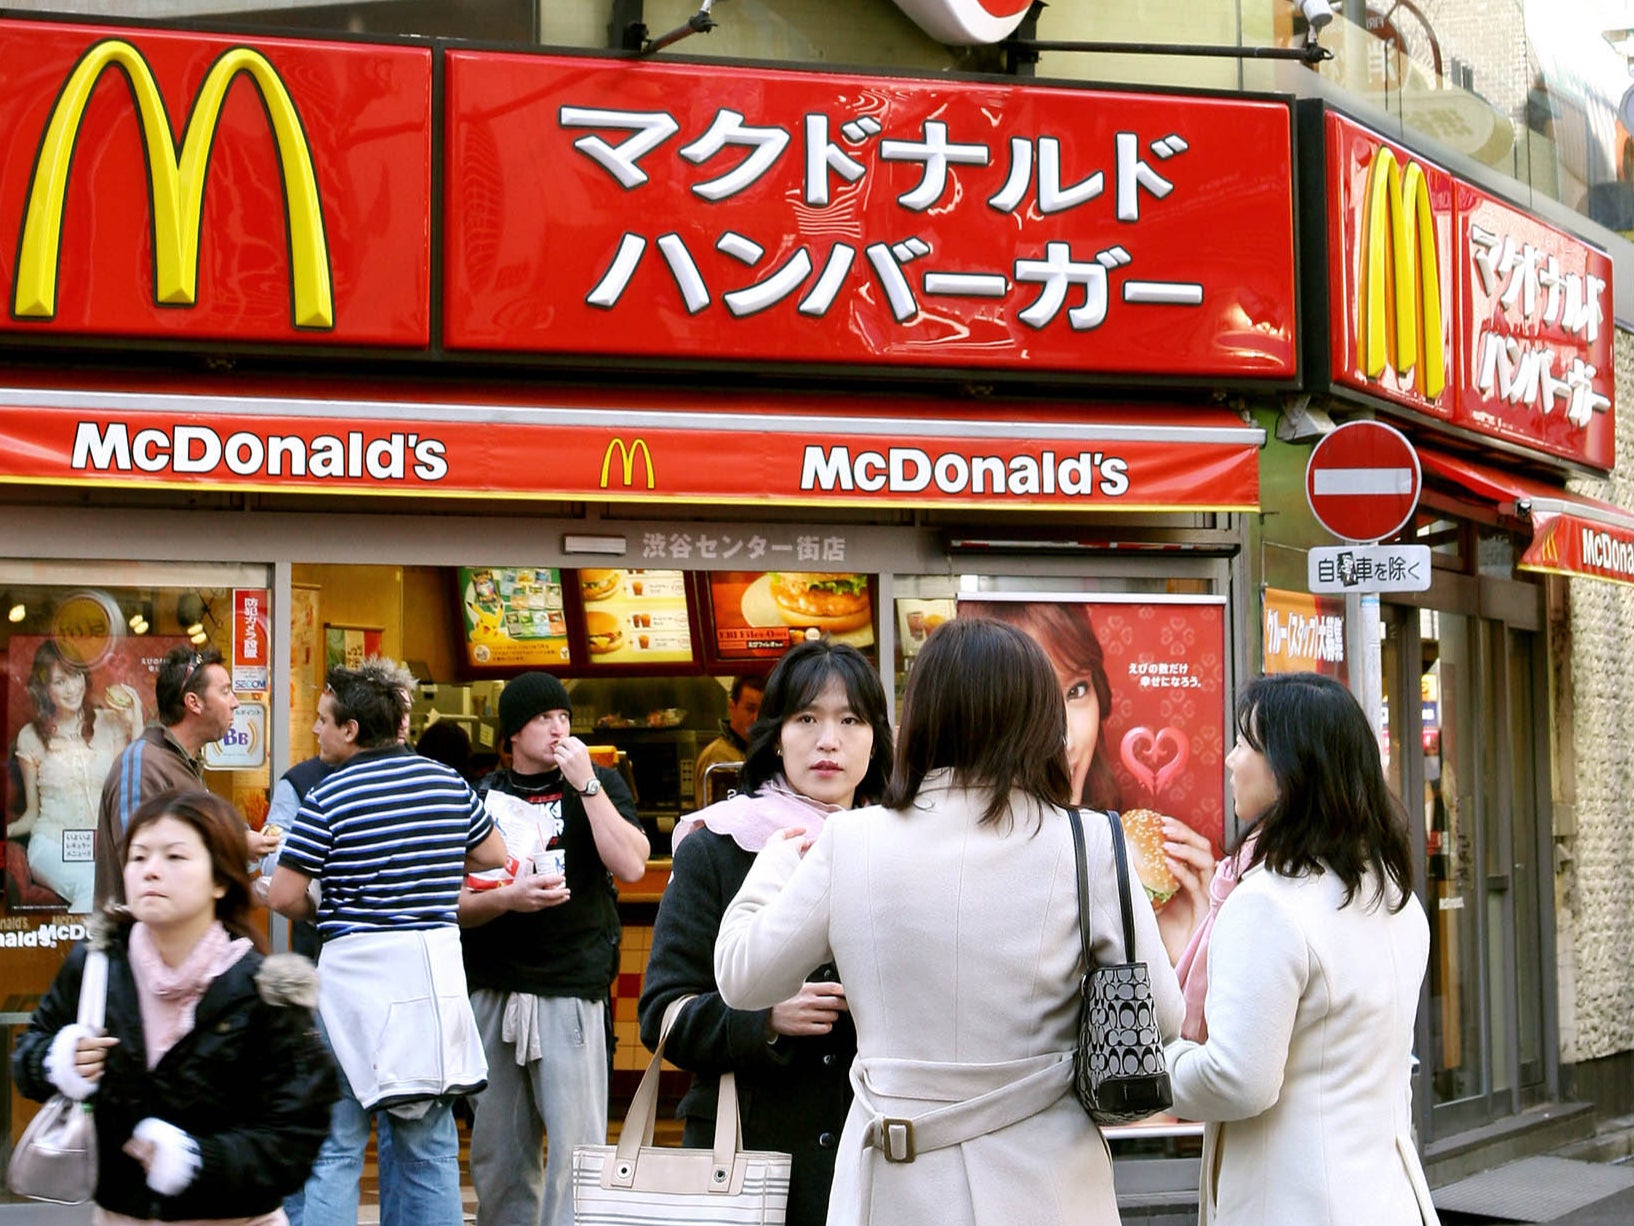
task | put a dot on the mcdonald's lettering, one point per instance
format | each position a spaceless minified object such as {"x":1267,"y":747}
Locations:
{"x":1608,"y":552}
{"x":1400,"y":307}
{"x":626,"y":455}
{"x":176,"y":183}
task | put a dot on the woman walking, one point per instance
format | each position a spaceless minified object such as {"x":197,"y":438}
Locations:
{"x":1314,"y":968}
{"x":821,"y":743}
{"x":951,"y":911}
{"x":210,"y":1088}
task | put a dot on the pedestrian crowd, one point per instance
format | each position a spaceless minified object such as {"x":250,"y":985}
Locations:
{"x":877,"y":935}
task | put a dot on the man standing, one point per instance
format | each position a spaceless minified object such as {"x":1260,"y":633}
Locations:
{"x":540,"y":955}
{"x":388,"y":836}
{"x":194,"y":691}
{"x":732,"y":745}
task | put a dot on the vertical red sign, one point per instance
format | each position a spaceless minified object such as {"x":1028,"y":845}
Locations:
{"x":252,"y":639}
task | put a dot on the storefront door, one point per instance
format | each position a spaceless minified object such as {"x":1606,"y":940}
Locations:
{"x":1468,"y":731}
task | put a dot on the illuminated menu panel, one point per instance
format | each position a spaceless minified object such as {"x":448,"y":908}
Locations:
{"x":636,"y":616}
{"x":513,"y":616}
{"x":761,"y":614}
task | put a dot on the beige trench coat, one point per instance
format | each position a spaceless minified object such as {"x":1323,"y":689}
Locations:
{"x":958,"y":946}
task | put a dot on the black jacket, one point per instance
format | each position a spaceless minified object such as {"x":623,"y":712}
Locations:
{"x":251,"y":1083}
{"x":792,"y":1095}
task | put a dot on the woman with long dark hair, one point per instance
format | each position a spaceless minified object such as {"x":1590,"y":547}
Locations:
{"x":63,"y":755}
{"x":951,"y":911}
{"x":1314,"y":968}
{"x":821,"y":743}
{"x":210,"y":1087}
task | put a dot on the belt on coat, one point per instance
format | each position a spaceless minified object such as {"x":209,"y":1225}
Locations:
{"x":994,"y":1096}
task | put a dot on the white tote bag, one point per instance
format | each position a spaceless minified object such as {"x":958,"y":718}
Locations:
{"x":639,"y":1184}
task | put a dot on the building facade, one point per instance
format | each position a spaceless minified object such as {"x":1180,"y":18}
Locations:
{"x":517,"y":335}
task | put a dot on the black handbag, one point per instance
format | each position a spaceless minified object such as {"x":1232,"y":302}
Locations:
{"x":1118,"y":1071}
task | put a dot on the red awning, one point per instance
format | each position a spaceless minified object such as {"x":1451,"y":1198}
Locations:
{"x":1571,"y":534}
{"x":612,"y":445}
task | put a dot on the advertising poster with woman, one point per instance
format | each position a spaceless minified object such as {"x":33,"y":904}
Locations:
{"x":1144,"y":678}
{"x":67,"y":719}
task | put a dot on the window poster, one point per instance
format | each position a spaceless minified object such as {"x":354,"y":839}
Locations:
{"x":1147,"y":720}
{"x":68,"y":716}
{"x":916,"y":618}
{"x":513,"y":616}
{"x":636,"y":616}
{"x":759,"y":614}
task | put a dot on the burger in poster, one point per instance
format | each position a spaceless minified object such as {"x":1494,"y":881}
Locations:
{"x":836,"y":603}
{"x":602,"y":631}
{"x":599,"y":584}
{"x":1143,"y":830}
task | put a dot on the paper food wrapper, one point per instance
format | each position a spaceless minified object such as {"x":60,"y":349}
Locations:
{"x":522,"y":826}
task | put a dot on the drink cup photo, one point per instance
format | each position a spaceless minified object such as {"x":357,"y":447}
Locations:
{"x":550,"y":863}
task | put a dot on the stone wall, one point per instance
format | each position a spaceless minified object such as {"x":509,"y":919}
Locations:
{"x":1594,"y":785}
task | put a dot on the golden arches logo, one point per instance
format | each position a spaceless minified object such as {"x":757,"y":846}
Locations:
{"x":1400,"y":305}
{"x":627,"y":456}
{"x":1548,"y":549}
{"x":176,"y":183}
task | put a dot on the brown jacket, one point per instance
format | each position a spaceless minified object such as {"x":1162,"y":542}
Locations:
{"x":154,"y":762}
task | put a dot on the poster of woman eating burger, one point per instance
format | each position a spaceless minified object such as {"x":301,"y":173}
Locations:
{"x":1143,"y":677}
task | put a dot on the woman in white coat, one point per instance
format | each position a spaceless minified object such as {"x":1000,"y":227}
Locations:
{"x":951,"y":913}
{"x":1314,"y":969}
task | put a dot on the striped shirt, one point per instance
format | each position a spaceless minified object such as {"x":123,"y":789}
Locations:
{"x":386,"y":837}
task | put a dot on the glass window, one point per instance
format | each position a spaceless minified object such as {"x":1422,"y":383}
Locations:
{"x":80,"y":646}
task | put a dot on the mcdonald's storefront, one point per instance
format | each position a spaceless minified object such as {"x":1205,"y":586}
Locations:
{"x":495,"y":360}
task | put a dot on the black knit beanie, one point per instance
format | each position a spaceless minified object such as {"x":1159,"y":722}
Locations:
{"x":527,"y":696}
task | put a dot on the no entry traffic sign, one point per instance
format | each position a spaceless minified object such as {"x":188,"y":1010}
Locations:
{"x":1363,"y":481}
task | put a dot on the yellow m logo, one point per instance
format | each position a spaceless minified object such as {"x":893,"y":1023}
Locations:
{"x":626,"y":457}
{"x":1400,"y":307}
{"x":177,"y":184}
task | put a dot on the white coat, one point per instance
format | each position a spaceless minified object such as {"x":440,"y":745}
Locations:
{"x":1305,"y":1074}
{"x":959,"y":949}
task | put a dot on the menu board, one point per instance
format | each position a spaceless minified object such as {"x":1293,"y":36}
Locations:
{"x":636,"y":616}
{"x":513,"y":616}
{"x":761,"y":614}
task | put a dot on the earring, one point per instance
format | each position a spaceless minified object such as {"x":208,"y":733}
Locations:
{"x":780,"y":751}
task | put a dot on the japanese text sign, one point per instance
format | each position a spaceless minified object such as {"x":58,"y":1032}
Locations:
{"x":646,"y":209}
{"x":178,"y":185}
{"x":252,"y":652}
{"x":1455,"y":304}
{"x":1304,"y":633}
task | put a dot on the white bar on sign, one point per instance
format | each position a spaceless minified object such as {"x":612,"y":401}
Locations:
{"x":967,"y":284}
{"x":1362,"y":481}
{"x":1163,"y":293}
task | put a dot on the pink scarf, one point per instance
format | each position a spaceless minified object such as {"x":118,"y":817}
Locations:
{"x":1193,"y":965}
{"x":750,"y":821}
{"x":169,"y":994}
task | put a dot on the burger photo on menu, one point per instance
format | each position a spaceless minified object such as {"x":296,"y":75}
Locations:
{"x":835,"y":603}
{"x":599,"y":584}
{"x":603,"y":632}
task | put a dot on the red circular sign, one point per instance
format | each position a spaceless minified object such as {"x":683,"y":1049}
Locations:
{"x":1363,"y":481}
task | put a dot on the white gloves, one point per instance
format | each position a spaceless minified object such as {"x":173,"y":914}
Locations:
{"x":175,"y":1158}
{"x":59,"y":1062}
